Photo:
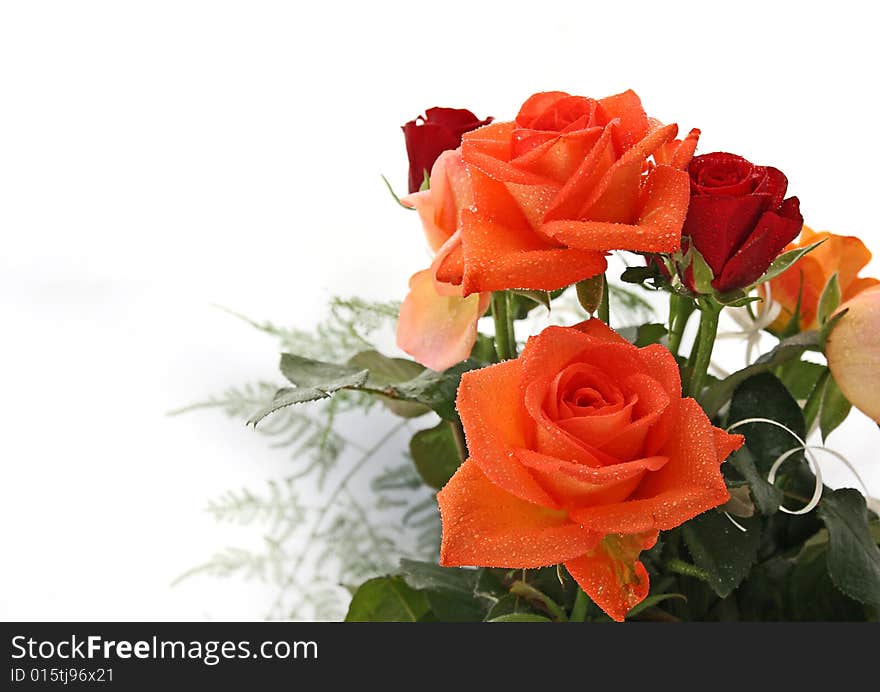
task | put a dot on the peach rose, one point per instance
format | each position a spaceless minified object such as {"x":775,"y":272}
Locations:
{"x":853,"y":352}
{"x":581,"y":451}
{"x":844,"y":255}
{"x":437,"y":325}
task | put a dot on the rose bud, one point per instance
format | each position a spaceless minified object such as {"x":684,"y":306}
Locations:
{"x":844,"y":255}
{"x":853,"y":352}
{"x":738,"y":218}
{"x":430,"y":135}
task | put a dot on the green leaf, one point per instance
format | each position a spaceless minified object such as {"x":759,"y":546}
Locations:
{"x":800,"y":377}
{"x":764,"y":396}
{"x":484,"y":349}
{"x":812,"y":595}
{"x":426,"y":181}
{"x":829,"y":301}
{"x":716,"y":395}
{"x":285,"y":397}
{"x":639,"y":275}
{"x":724,"y":552}
{"x":385,"y":371}
{"x":649,"y":334}
{"x":451,"y":591}
{"x":435,"y":389}
{"x":520,"y":617}
{"x":387,"y":599}
{"x":590,"y":292}
{"x":703,"y":275}
{"x":853,"y":555}
{"x":435,"y":454}
{"x":784,"y":261}
{"x":835,"y":408}
{"x":766,"y":496}
{"x":328,"y":377}
{"x":538,"y":297}
{"x":814,"y":400}
{"x":651,"y":601}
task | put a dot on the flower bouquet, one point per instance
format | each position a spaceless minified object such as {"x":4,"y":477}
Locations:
{"x":587,"y":473}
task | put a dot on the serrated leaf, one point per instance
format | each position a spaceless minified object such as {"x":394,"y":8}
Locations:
{"x":829,"y":301}
{"x":590,"y":292}
{"x":328,"y":377}
{"x":520,"y":617}
{"x":385,"y":371}
{"x":764,"y":396}
{"x":451,"y":591}
{"x":435,"y":454}
{"x":784,"y":261}
{"x":653,"y":600}
{"x":539,"y":297}
{"x":853,"y":555}
{"x":387,"y":599}
{"x":724,"y":552}
{"x":285,"y":397}
{"x":835,"y":408}
{"x":812,"y":595}
{"x":766,"y":496}
{"x":717,"y":394}
{"x":435,"y":389}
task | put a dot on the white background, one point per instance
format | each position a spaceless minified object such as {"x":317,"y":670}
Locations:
{"x":159,"y":157}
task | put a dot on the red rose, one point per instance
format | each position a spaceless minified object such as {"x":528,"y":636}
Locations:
{"x":738,"y":218}
{"x":440,"y":129}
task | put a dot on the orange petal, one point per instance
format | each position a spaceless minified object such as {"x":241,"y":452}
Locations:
{"x":486,"y":526}
{"x":437,"y":330}
{"x":499,"y":257}
{"x":658,"y":228}
{"x":687,"y":485}
{"x":632,"y":122}
{"x":490,"y":405}
{"x":612,"y":575}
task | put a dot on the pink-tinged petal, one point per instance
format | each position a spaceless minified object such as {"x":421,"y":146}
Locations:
{"x":853,"y":352}
{"x":612,"y":575}
{"x":486,"y":526}
{"x":437,"y":330}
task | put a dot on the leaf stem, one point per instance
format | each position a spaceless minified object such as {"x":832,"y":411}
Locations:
{"x":505,"y":340}
{"x":579,"y":610}
{"x":686,"y":569}
{"x":604,"y":311}
{"x":702,"y":352}
{"x":680,"y":311}
{"x":530,"y":593}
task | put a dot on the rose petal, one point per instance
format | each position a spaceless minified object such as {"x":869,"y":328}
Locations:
{"x":612,"y":575}
{"x":686,"y":486}
{"x":486,"y":526}
{"x":719,"y":225}
{"x":490,"y":405}
{"x":773,"y":232}
{"x":658,"y":228}
{"x":438,"y":331}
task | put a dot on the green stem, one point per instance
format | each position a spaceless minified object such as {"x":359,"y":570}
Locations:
{"x":505,"y":341}
{"x":458,"y":436}
{"x":710,"y":310}
{"x":604,"y":311}
{"x":530,"y":593}
{"x":686,"y":569}
{"x":680,"y":311}
{"x":579,"y":611}
{"x":811,"y":406}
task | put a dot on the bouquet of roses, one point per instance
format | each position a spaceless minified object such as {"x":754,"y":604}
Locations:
{"x":589,"y":473}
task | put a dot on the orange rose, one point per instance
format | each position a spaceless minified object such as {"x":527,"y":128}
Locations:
{"x":844,"y":255}
{"x":570,"y":179}
{"x":581,"y":451}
